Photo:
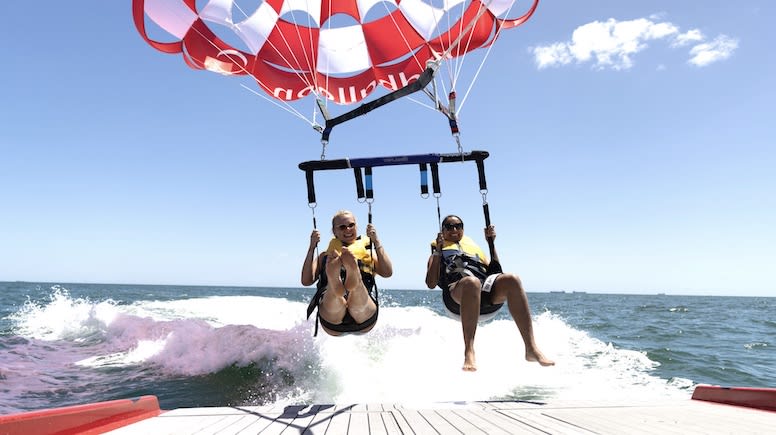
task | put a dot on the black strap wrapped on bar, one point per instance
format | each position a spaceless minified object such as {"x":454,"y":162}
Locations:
{"x":494,"y":266}
{"x":310,"y":186}
{"x":435,"y":178}
{"x":481,"y":173}
{"x":359,"y":183}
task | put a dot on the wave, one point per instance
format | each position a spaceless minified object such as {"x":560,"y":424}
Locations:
{"x":239,"y":350}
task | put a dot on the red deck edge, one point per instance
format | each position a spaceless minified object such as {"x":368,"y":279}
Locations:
{"x":759,"y":398}
{"x":93,"y":418}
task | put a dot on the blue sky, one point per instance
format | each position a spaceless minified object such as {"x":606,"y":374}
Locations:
{"x":632,"y":151}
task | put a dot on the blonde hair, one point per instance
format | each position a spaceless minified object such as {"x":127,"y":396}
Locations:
{"x":340,"y":214}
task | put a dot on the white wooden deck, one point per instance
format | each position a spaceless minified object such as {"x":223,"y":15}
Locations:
{"x":668,"y":417}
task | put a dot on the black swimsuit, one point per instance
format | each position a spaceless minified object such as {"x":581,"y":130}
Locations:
{"x":348,"y":324}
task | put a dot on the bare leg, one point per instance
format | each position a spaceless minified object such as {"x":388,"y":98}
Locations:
{"x":467,"y":293}
{"x":521,"y":313}
{"x":333,"y":304}
{"x":360,"y":306}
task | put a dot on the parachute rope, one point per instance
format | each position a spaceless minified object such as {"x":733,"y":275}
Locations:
{"x":287,"y":107}
{"x":407,"y":44}
{"x":297,"y":63}
{"x":299,"y":66}
{"x":297,"y":48}
{"x":234,"y":59}
{"x":449,"y":111}
{"x":499,"y":28}
{"x":326,"y":101}
{"x":420,"y":83}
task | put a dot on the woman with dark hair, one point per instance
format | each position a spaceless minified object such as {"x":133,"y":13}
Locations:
{"x":474,"y":291}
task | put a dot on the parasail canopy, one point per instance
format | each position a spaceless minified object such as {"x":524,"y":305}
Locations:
{"x":338,"y":50}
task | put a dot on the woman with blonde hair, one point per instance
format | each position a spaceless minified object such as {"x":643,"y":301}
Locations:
{"x":345,"y":275}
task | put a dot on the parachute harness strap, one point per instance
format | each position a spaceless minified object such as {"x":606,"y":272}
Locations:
{"x":483,"y":190}
{"x":359,"y":185}
{"x":423,"y":180}
{"x":369,"y":199}
{"x":486,"y":211}
{"x":437,"y":191}
{"x":311,"y":202}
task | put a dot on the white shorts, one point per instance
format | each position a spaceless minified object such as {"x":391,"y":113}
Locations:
{"x":487,"y":285}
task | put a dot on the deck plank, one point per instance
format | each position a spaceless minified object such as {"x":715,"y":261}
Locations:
{"x":339,"y":421}
{"x":417,"y":424}
{"x":390,"y":424}
{"x":498,"y":418}
{"x":376,"y":424}
{"x":162,"y":425}
{"x":359,"y":423}
{"x":300,"y":419}
{"x":458,"y":421}
{"x":435,"y":417}
{"x":320,"y":422}
{"x":401,"y":422}
{"x":259,"y":419}
{"x":510,"y":424}
{"x":480,"y":420}
{"x":228,"y":424}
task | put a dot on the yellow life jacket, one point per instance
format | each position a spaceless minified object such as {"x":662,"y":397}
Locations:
{"x":466,"y":246}
{"x":359,"y":248}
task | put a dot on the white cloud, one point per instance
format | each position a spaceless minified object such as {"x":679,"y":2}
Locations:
{"x":721,"y":48}
{"x":550,"y":55}
{"x":685,"y":38}
{"x":613,"y":44}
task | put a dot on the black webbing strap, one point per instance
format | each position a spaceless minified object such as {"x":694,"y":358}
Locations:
{"x":310,"y":186}
{"x":359,"y":184}
{"x":437,"y":191}
{"x":494,"y":266}
{"x":435,"y":178}
{"x":481,"y":173}
{"x":423,"y":80}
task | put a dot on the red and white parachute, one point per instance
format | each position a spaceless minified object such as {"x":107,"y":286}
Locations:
{"x":338,"y":50}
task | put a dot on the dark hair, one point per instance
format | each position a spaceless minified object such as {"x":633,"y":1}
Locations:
{"x":451,"y":216}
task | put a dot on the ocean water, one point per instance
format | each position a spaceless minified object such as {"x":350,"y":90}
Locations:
{"x":65,"y":344}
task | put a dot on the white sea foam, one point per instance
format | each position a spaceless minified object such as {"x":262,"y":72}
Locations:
{"x":412,"y":356}
{"x":63,"y":317}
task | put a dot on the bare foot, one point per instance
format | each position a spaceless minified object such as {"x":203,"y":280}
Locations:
{"x":333,"y":266}
{"x":349,"y":261}
{"x":537,"y":356}
{"x":468,"y":362}
{"x":352,"y":274}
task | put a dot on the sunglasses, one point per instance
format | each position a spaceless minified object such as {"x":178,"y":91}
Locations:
{"x":450,"y":227}
{"x":344,"y":227}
